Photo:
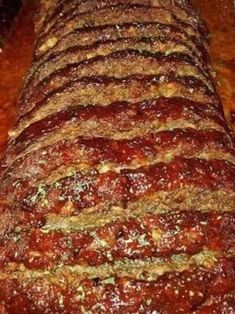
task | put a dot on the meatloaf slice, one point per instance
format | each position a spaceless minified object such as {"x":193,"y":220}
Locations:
{"x":118,"y":15}
{"x":105,"y":90}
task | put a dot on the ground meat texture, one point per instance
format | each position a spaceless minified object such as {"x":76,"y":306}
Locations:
{"x":174,"y":292}
{"x":91,"y":35}
{"x":89,"y":189}
{"x":118,"y":15}
{"x":110,"y":153}
{"x":117,"y":185}
{"x":103,"y":90}
{"x":158,"y":114}
{"x":76,"y":54}
{"x":82,"y":7}
{"x":120,"y":64}
{"x":148,"y":235}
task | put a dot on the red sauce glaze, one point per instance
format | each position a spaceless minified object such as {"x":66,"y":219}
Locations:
{"x":172,"y":293}
{"x":90,"y":189}
{"x":92,"y":152}
{"x":118,"y":115}
{"x":182,"y":232}
{"x":218,"y":304}
{"x":12,"y":218}
{"x":40,"y":99}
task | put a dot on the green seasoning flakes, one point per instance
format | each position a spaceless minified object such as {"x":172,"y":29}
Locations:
{"x":109,"y":281}
{"x":40,"y":195}
{"x":143,"y":240}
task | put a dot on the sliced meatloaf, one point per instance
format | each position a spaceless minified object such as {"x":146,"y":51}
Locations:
{"x":117,"y":185}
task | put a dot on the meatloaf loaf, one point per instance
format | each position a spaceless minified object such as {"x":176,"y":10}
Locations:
{"x":117,"y":185}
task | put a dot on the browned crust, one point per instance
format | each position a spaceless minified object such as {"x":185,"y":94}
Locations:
{"x":128,"y":185}
{"x":105,"y":90}
{"x":84,"y":153}
{"x":118,"y":116}
{"x":186,"y":291}
{"x":89,"y":35}
{"x":119,"y":14}
{"x":119,"y":64}
{"x":72,"y":7}
{"x":146,"y":236}
{"x":78,"y":53}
